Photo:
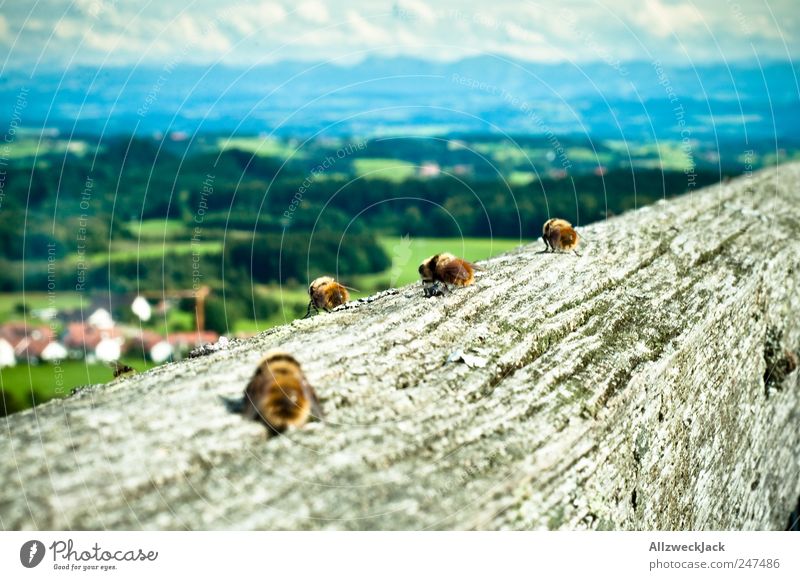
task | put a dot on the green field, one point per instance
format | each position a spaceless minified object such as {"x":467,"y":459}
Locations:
{"x":128,"y":251}
{"x":157,"y":229}
{"x":25,"y":384}
{"x":263,"y":147}
{"x":11,"y":303}
{"x":389,"y":169}
{"x":39,"y":147}
{"x":293,"y":301}
{"x":521,"y":177}
{"x":666,"y":154}
{"x":406,"y":254}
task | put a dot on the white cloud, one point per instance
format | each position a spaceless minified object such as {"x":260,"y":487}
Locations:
{"x":522,"y":34}
{"x":662,"y":20}
{"x":248,"y":19}
{"x":417,"y":10}
{"x":761,"y":26}
{"x":441,"y":29}
{"x":526,"y":52}
{"x":5,"y":36}
{"x":364,"y":29}
{"x":201,"y":33}
{"x":92,"y":8}
{"x":119,"y":42}
{"x":34,"y":24}
{"x":68,"y":28}
{"x":319,"y":39}
{"x":104,"y":42}
{"x":314,"y":11}
{"x":407,"y":38}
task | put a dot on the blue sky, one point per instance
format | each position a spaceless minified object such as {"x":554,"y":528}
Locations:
{"x":54,"y":33}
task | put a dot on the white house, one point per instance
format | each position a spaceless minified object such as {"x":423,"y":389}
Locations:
{"x":108,"y":350}
{"x":7,"y":356}
{"x":54,"y":351}
{"x":141,"y":308}
{"x":101,"y":318}
{"x":161,"y":352}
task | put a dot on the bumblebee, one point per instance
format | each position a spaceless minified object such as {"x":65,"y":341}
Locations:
{"x":326,"y":293}
{"x":279,"y":394}
{"x":441,"y":272}
{"x":121,"y":370}
{"x":559,"y":235}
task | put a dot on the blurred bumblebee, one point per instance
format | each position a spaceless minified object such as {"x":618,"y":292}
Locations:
{"x":279,"y":394}
{"x":559,"y":235}
{"x":326,"y":293}
{"x":441,"y":272}
{"x":121,"y":370}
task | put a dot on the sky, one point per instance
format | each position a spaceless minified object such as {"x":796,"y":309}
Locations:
{"x":57,"y":33}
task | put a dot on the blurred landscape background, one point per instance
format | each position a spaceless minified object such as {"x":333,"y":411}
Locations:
{"x":177,"y":173}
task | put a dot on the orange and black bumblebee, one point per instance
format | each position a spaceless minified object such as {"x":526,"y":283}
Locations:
{"x":559,"y":235}
{"x":326,"y":293}
{"x":279,"y":394}
{"x":442,"y":271}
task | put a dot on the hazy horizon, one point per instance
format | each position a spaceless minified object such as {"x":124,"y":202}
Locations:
{"x":58,"y":33}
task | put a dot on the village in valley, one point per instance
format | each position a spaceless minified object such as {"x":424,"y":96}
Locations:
{"x":97,"y":339}
{"x":51,"y":340}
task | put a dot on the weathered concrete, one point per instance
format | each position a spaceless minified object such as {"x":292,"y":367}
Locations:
{"x":630,"y":388}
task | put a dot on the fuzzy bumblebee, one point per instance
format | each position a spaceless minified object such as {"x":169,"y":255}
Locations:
{"x":441,"y":272}
{"x":279,"y":394}
{"x":559,"y":235}
{"x":122,"y":370}
{"x":325,"y":293}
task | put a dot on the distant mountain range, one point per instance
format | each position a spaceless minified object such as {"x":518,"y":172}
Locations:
{"x":637,"y":101}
